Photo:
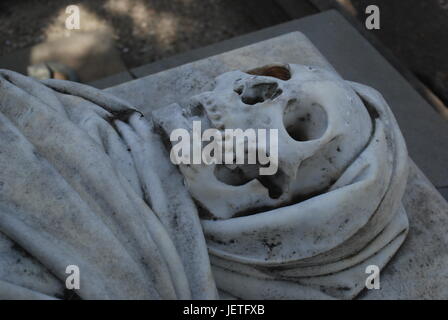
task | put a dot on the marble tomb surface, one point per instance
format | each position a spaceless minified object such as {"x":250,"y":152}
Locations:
{"x":86,"y":180}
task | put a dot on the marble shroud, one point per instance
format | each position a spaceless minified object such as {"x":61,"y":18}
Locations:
{"x":84,"y":180}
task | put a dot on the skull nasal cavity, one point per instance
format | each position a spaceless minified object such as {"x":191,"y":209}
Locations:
{"x":259,"y":93}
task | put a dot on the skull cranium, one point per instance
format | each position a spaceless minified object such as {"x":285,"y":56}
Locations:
{"x":322,"y":126}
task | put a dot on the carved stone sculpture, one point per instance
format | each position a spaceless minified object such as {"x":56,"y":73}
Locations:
{"x":86,"y":180}
{"x":342,"y":173}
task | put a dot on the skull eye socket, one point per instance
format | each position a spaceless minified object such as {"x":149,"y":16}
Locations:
{"x":304,"y":123}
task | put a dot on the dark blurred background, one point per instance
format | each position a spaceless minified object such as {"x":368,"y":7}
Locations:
{"x":118,"y":35}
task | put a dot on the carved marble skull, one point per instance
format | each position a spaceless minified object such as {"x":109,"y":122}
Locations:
{"x":322,"y":127}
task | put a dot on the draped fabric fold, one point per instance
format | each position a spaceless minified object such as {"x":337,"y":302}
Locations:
{"x":320,"y":248}
{"x":81,"y":184}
